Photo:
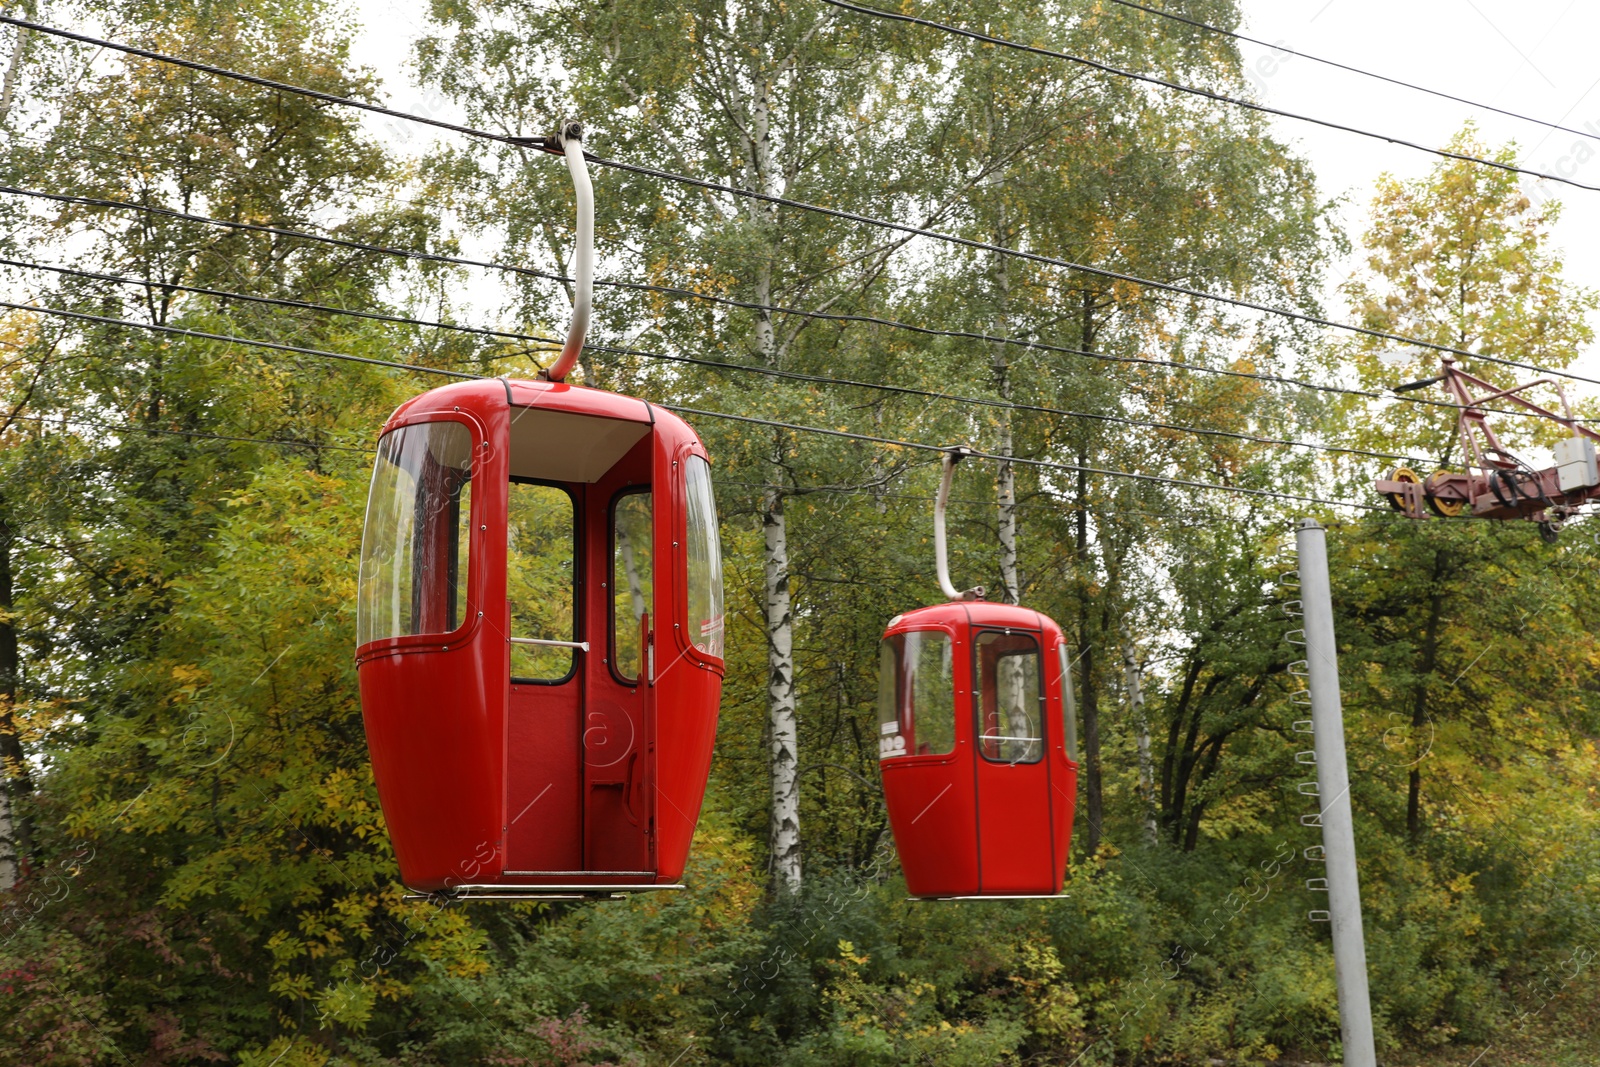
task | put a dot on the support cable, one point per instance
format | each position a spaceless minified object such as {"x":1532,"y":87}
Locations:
{"x":132,"y":430}
{"x":1208,"y":94}
{"x":1237,"y":36}
{"x":1046,"y":464}
{"x":1055,"y":506}
{"x":774,"y":424}
{"x":543,"y":143}
{"x":277,"y":301}
{"x":433,"y":257}
{"x":202,"y":335}
{"x":1099,"y":272}
{"x":769,"y":372}
{"x":831,"y":490}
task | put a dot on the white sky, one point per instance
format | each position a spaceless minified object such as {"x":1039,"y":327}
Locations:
{"x":1536,"y":57}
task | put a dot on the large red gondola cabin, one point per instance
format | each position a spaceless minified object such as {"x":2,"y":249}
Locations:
{"x":977,"y":743}
{"x":540,"y":633}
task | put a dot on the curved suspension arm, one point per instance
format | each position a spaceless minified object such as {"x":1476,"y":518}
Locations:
{"x":571,"y":141}
{"x":940,"y":550}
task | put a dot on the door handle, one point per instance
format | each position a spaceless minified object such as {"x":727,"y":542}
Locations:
{"x":648,"y":647}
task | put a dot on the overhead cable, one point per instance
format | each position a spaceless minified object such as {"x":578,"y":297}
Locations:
{"x":834,"y":490}
{"x":1046,"y":501}
{"x":274,"y":301}
{"x":801,"y":205}
{"x":689,"y":294}
{"x":1286,"y":50}
{"x":646,"y":287}
{"x":202,"y":335}
{"x":131,"y":429}
{"x":770,"y":372}
{"x":1101,"y":272}
{"x":799,"y":428}
{"x":1208,"y":94}
{"x":1042,"y":463}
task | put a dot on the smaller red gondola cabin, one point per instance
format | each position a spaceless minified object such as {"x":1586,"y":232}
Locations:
{"x":977,"y":745}
{"x":539,"y":629}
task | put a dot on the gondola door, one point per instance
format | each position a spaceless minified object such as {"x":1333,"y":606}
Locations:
{"x":579,"y":589}
{"x":1016,"y":847}
{"x":618,"y":726}
{"x":544,"y":729}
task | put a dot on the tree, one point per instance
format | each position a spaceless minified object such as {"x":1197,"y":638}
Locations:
{"x":209,"y":878}
{"x":1088,"y":168}
{"x":179,"y":519}
{"x":1459,"y":258}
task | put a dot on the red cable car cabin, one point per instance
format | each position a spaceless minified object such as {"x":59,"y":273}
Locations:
{"x":539,"y":638}
{"x":977,"y":745}
{"x":977,"y":740}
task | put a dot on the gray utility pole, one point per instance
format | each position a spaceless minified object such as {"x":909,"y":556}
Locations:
{"x":1333,"y":788}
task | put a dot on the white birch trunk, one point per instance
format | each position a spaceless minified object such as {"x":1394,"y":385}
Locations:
{"x":761,"y":213}
{"x":784,"y":829}
{"x":1133,"y":675}
{"x":1006,"y":481}
{"x":14,"y":781}
{"x":784,"y":835}
{"x":1006,"y":476}
{"x":8,"y":88}
{"x":1006,"y":503}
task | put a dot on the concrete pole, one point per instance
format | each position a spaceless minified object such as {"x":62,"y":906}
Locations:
{"x":1333,"y":787}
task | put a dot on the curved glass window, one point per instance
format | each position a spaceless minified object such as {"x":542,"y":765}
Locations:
{"x":1009,"y":697}
{"x":632,"y":580}
{"x":705,"y":560}
{"x":916,"y":695}
{"x":414,"y":548}
{"x":1069,"y":703}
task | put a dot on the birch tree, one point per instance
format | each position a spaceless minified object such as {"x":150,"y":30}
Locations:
{"x":1133,"y":683}
{"x":17,"y":783}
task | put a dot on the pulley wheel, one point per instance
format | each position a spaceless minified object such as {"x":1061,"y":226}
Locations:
{"x":1445,"y":509}
{"x":1402,"y":474}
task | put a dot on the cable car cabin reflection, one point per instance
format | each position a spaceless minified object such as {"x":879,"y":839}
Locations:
{"x":539,"y":637}
{"x":977,"y":745}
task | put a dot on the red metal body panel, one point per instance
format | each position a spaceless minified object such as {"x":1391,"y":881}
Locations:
{"x":543,"y":780}
{"x":448,"y":825}
{"x":589,"y":781}
{"x":966,"y":825}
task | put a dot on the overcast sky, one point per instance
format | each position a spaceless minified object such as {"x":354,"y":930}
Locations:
{"x":1540,"y":58}
{"x":1535,"y":57}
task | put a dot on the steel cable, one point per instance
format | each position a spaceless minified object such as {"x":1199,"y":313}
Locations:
{"x":849,"y":216}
